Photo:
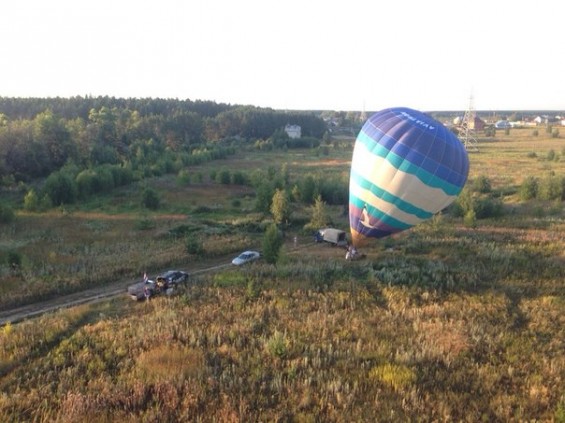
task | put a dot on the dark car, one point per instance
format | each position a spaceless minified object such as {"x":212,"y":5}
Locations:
{"x":142,"y":290}
{"x":164,"y":283}
{"x":171,"y":277}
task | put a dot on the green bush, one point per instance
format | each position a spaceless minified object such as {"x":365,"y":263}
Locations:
{"x":482,"y":184}
{"x":150,"y":199}
{"x":14,"y":259}
{"x":223,"y":177}
{"x":61,"y":188}
{"x":6,"y":214}
{"x":194,"y":246}
{"x":183,"y":178}
{"x":487,"y":207}
{"x":470,"y":219}
{"x":31,"y":201}
{"x":550,"y":188}
{"x":529,"y":188}
{"x":272,"y":243}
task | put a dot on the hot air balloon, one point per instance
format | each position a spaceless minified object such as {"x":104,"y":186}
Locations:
{"x":406,"y":167}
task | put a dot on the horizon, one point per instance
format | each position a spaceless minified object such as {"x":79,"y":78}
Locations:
{"x":478,"y":111}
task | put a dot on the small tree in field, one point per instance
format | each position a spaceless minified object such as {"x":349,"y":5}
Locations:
{"x":31,"y":201}
{"x":194,"y":246}
{"x":320,"y":218}
{"x":150,"y":199}
{"x":280,"y":207}
{"x":272,"y":243}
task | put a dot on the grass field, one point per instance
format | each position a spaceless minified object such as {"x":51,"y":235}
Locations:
{"x":444,"y":322}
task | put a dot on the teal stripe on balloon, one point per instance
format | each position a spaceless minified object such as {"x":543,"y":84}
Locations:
{"x":377,"y":214}
{"x":398,"y":202}
{"x":400,"y":163}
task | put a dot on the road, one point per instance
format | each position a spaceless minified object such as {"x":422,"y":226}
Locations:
{"x":106,"y":292}
{"x":92,"y":295}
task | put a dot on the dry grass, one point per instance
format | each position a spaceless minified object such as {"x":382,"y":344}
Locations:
{"x":440,"y":323}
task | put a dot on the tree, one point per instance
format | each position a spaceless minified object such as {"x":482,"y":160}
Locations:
{"x":263,"y":197}
{"x":61,"y":188}
{"x":280,"y":207}
{"x":272,"y":243}
{"x":320,"y":218}
{"x":308,"y":189}
{"x":31,"y":201}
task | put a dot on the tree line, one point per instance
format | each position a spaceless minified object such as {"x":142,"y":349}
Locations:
{"x":38,"y":136}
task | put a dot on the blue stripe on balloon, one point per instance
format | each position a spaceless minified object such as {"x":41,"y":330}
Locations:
{"x":378,"y":215}
{"x":398,"y":202}
{"x":450,"y":181}
{"x":424,"y":148}
{"x":379,"y":231}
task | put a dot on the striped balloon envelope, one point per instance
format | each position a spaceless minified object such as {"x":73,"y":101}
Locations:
{"x":406,"y":167}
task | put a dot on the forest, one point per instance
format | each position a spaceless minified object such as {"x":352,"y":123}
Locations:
{"x":38,"y":136}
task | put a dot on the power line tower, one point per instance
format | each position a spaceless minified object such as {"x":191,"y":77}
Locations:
{"x":467,"y":133}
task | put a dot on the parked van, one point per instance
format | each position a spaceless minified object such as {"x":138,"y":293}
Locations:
{"x":331,"y":235}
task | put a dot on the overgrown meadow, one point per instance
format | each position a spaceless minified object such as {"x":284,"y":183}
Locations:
{"x":458,"y":319}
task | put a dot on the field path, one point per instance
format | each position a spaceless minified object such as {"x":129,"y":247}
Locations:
{"x":105,"y":292}
{"x":99,"y":293}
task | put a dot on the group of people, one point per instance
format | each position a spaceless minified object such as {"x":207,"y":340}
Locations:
{"x":351,"y":253}
{"x":161,"y":286}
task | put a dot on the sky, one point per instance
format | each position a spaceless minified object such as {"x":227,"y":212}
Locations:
{"x":294,"y":54}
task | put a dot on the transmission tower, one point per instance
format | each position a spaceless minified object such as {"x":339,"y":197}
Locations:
{"x":467,"y":133}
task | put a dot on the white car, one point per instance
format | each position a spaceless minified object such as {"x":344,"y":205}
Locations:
{"x":246,"y":257}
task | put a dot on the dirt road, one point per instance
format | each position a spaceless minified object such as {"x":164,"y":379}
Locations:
{"x":105,"y":292}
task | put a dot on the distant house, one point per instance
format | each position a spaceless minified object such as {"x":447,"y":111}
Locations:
{"x":293,"y":131}
{"x":478,"y":124}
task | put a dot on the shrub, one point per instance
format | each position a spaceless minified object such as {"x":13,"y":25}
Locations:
{"x":277,"y":345}
{"x":150,"y":199}
{"x":183,"y":178}
{"x":14,"y":259}
{"x":487,"y":207}
{"x":482,"y":184}
{"x":31,"y":201}
{"x":529,"y":188}
{"x":396,"y":375}
{"x":550,"y":188}
{"x":224,"y":177}
{"x":239,"y":178}
{"x":470,"y":219}
{"x":550,"y":155}
{"x":61,"y":188}
{"x":194,"y":246}
{"x":272,"y":243}
{"x":6,"y":214}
